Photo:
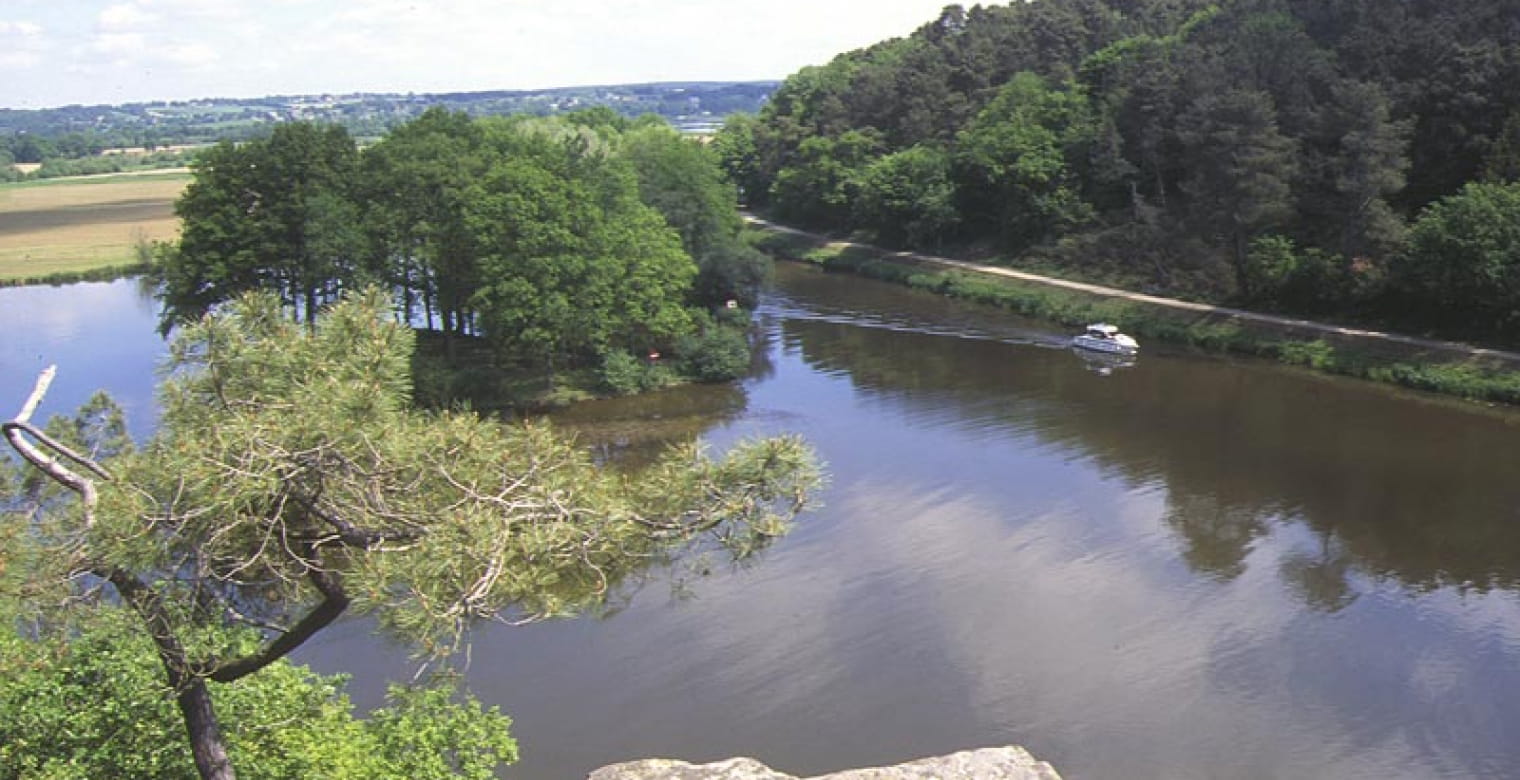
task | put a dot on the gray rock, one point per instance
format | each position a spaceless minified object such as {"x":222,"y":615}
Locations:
{"x":666,"y":769}
{"x":1000,"y":763}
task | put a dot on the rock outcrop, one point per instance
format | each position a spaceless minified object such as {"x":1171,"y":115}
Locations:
{"x":1000,"y":763}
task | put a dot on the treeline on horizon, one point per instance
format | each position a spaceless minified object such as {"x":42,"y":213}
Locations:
{"x":69,"y":140}
{"x":587,"y":241}
{"x":1356,"y":159}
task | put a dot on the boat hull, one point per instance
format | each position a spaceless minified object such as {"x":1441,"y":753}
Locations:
{"x":1109,"y":346}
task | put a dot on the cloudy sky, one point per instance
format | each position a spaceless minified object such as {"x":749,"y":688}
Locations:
{"x":58,"y":52}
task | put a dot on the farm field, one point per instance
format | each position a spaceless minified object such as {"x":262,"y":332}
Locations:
{"x":60,"y":226}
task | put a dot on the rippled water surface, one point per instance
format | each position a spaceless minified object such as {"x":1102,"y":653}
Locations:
{"x":1186,"y":567}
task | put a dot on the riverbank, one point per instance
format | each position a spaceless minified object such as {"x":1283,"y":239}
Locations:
{"x":1445,"y":367}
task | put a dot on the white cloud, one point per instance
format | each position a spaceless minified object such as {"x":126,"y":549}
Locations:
{"x":119,"y":43}
{"x":24,"y":29}
{"x":124,"y":16}
{"x":191,"y":54}
{"x":20,"y":59}
{"x":200,"y":9}
{"x":22,"y":45}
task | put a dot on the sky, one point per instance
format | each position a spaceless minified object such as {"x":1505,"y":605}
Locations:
{"x":61,"y":52}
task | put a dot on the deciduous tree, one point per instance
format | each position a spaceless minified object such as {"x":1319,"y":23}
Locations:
{"x":681,"y":178}
{"x":908,"y":198}
{"x":1462,"y":263}
{"x":1014,"y":164}
{"x":572,"y":262}
{"x":415,"y":184}
{"x":273,"y":214}
{"x":285,"y":722}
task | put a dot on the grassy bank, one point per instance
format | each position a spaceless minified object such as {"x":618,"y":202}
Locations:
{"x":1475,"y":378}
{"x":84,"y":229}
{"x":99,"y":273}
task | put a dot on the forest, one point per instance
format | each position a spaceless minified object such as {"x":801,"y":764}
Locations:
{"x":1356,"y":159}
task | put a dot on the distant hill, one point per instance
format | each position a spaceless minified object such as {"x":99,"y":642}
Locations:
{"x":77,"y":130}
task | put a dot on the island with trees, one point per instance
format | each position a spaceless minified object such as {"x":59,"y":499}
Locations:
{"x":588,"y":243}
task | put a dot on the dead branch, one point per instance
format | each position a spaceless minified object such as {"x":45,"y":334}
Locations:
{"x":46,"y":463}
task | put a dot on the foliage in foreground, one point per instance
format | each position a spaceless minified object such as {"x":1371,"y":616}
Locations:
{"x":92,"y":703}
{"x":291,"y":482}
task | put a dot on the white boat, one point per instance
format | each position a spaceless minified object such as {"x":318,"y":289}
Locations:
{"x":1101,"y":337}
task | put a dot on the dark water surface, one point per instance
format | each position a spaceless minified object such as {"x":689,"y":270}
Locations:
{"x":1184,"y":568}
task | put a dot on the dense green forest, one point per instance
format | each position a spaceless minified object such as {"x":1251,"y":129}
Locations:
{"x":585,"y":241}
{"x":1357,"y":158}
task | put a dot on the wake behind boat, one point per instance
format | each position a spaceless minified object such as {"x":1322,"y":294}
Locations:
{"x":1102,"y":337}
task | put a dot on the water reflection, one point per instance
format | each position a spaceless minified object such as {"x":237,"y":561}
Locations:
{"x":1239,"y":447}
{"x":1184,"y":568}
{"x":1322,"y":577}
{"x":1215,"y":538}
{"x":1354,"y":609}
{"x":1103,"y":363}
{"x":1353,"y":605}
{"x":100,"y":335}
{"x":633,"y":430}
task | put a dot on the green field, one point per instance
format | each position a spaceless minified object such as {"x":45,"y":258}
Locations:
{"x":70,"y":226}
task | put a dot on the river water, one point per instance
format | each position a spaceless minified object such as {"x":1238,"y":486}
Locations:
{"x":1188,"y":567}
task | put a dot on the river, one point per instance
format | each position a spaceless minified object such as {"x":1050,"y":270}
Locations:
{"x":1188,"y":567}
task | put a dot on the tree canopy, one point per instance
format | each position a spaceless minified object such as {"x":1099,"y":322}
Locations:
{"x":274,"y":214}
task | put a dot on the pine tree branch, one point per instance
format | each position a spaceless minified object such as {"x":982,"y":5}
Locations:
{"x":334,"y":602}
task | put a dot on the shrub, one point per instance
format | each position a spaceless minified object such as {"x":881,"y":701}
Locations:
{"x":1315,"y":354}
{"x":621,"y":372}
{"x":624,"y":374}
{"x":94,"y":704}
{"x":717,"y":354}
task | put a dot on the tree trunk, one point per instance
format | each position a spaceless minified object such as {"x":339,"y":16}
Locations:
{"x":311,"y":305}
{"x":410,"y":302}
{"x":190,"y":691}
{"x":194,"y":699}
{"x":202,"y":727}
{"x":1243,"y":281}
